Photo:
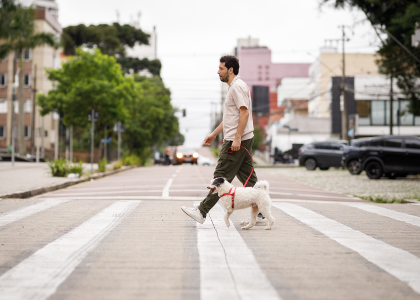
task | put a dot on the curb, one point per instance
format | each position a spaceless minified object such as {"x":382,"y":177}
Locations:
{"x":35,"y":192}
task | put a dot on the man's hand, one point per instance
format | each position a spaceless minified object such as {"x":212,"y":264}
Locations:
{"x":236,"y":144}
{"x":210,"y":138}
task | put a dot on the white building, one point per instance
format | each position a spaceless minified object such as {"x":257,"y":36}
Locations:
{"x":299,"y":130}
{"x":372,"y":97}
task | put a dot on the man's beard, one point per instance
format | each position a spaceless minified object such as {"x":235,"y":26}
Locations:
{"x":224,"y":79}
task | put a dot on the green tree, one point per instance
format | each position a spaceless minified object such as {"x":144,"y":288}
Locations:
{"x":259,"y":137}
{"x":19,"y":34}
{"x":150,"y":116}
{"x":111,"y":40}
{"x":399,"y":19}
{"x":89,"y":80}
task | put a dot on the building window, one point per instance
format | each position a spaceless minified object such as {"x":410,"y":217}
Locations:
{"x":26,"y":54}
{"x":3,"y":80}
{"x":363,"y":110}
{"x":377,"y":113}
{"x":2,"y":131}
{"x":27,"y":106}
{"x":27,"y":80}
{"x":27,"y":132}
{"x":3,"y":106}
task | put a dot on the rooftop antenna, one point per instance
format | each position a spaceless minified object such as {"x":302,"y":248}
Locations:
{"x":118,"y":15}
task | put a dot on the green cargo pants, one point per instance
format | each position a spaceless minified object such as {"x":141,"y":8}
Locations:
{"x":239,"y":164}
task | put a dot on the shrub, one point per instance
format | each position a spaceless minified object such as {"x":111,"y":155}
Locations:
{"x":76,"y":168}
{"x":102,"y":165}
{"x":61,"y":168}
{"x":132,"y":160}
{"x":118,"y":164}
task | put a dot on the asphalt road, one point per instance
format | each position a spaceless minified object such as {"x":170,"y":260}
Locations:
{"x":125,"y":237}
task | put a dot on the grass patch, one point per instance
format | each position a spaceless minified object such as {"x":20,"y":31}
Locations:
{"x":381,"y":199}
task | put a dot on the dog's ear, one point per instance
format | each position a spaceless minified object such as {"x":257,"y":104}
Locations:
{"x":218,"y":181}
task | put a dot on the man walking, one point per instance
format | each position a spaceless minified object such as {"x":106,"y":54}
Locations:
{"x":238,"y":130}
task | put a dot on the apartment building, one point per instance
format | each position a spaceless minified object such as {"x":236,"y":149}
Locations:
{"x":35,"y":81}
{"x":263,"y":77}
{"x":329,"y":64}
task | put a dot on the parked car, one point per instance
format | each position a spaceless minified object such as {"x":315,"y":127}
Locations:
{"x":352,"y":155}
{"x":283,"y":158}
{"x":185,"y":155}
{"x":391,"y":156}
{"x":321,"y":154}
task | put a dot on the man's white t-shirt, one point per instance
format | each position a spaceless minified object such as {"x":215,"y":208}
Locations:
{"x":238,"y":95}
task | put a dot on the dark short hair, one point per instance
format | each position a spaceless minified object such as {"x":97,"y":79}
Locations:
{"x":231,"y":62}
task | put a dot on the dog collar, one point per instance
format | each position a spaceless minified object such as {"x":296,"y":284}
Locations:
{"x":233,"y":196}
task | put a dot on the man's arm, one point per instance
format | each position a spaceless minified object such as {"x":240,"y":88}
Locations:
{"x":243,"y":120}
{"x":210,"y":138}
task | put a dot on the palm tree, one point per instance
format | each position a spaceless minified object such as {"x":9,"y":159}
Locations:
{"x":20,"y":35}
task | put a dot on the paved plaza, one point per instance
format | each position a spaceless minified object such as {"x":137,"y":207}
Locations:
{"x":125,"y":237}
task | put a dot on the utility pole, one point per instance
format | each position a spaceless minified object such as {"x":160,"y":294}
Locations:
{"x":71,"y":143}
{"x":42,"y":138}
{"x":33,"y":115}
{"x":119,"y":139}
{"x":391,"y":100}
{"x":344,"y":121}
{"x":67,"y":142}
{"x":37,"y":144}
{"x":92,"y":136}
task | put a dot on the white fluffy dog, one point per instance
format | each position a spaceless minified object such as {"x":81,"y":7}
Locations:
{"x":232,"y":198}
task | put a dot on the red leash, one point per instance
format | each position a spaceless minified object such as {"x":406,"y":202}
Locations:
{"x":233,"y":194}
{"x":242,"y":147}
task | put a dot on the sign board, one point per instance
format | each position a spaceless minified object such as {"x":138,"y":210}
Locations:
{"x":260,"y":99}
{"x":90,"y":115}
{"x":106,"y":141}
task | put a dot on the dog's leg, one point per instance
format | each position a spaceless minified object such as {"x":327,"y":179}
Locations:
{"x":266,"y":211}
{"x":227,"y":215}
{"x":253,"y":219}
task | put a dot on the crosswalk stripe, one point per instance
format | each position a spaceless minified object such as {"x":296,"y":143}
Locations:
{"x":410,"y":219}
{"x":18,"y":214}
{"x":224,"y":277}
{"x":399,"y":263}
{"x":39,"y":275}
{"x":165,"y":191}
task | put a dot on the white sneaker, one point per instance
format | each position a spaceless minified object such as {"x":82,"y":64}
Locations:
{"x":194,"y":213}
{"x":260,"y":221}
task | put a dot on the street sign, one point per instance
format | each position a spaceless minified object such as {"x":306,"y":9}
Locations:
{"x":122,"y":128}
{"x":106,"y":141}
{"x":90,"y":115}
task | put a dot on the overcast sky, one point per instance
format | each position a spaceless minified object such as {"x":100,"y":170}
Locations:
{"x":192,"y":35}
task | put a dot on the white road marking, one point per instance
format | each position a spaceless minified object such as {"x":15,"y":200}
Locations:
{"x":215,"y":278}
{"x":399,"y":263}
{"x":134,"y":198}
{"x":410,"y":219}
{"x":109,"y":192}
{"x":20,"y":213}
{"x":313,"y":201}
{"x":39,"y":275}
{"x":165,"y":191}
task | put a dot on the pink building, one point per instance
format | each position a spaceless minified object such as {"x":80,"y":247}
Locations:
{"x":256,"y":69}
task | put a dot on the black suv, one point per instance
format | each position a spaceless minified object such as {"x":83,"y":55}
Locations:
{"x":321,"y":154}
{"x":392,"y":156}
{"x":352,"y":155}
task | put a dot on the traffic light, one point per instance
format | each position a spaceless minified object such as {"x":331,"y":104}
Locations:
{"x":184,"y":112}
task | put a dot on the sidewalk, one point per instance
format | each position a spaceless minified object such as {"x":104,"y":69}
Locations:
{"x":29,"y":177}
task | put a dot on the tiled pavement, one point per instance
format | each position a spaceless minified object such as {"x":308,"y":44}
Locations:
{"x":125,"y":237}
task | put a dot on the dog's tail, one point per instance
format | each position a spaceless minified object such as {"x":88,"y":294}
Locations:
{"x":262,"y":185}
